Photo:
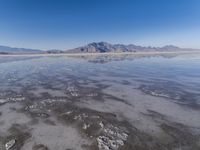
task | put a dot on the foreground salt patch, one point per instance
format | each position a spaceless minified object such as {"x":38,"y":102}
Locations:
{"x":104,"y":134}
{"x":112,"y":138}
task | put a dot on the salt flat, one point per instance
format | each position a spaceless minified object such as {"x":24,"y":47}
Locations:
{"x":100,"y":101}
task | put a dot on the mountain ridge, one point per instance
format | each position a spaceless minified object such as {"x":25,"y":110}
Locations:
{"x":104,"y":47}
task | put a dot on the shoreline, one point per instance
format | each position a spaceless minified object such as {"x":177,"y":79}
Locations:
{"x":104,"y":54}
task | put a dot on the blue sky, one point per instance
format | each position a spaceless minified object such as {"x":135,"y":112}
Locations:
{"x":63,"y":24}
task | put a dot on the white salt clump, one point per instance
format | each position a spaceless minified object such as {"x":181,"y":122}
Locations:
{"x":75,"y":94}
{"x":71,"y":88}
{"x":12,"y":79}
{"x":33,"y":107}
{"x":109,"y":131}
{"x":69,"y":112}
{"x":101,"y":124}
{"x":107,"y":143}
{"x":66,"y":113}
{"x":122,"y":136}
{"x":73,"y":91}
{"x":2,"y":101}
{"x":112,"y":139}
{"x":49,"y":101}
{"x":84,"y":115}
{"x":10,"y":144}
{"x":16,"y":99}
{"x":92,"y":94}
{"x":44,"y":103}
{"x":85,"y":126}
{"x":154,"y":93}
{"x":102,"y":143}
{"x":77,"y":117}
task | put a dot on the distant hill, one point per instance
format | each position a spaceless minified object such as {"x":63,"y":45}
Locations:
{"x":12,"y":50}
{"x":54,"y":51}
{"x":104,"y":47}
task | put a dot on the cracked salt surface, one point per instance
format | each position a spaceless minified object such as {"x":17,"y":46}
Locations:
{"x":112,"y":138}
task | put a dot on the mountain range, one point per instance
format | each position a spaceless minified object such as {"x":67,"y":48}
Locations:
{"x":104,"y":47}
{"x":95,"y":47}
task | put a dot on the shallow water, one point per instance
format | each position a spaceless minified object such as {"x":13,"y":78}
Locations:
{"x":113,"y":102}
{"x":177,"y":77}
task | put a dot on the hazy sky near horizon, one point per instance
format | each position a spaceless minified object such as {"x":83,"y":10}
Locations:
{"x":64,"y":24}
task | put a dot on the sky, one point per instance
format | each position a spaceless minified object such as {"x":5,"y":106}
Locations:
{"x":65,"y":24}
